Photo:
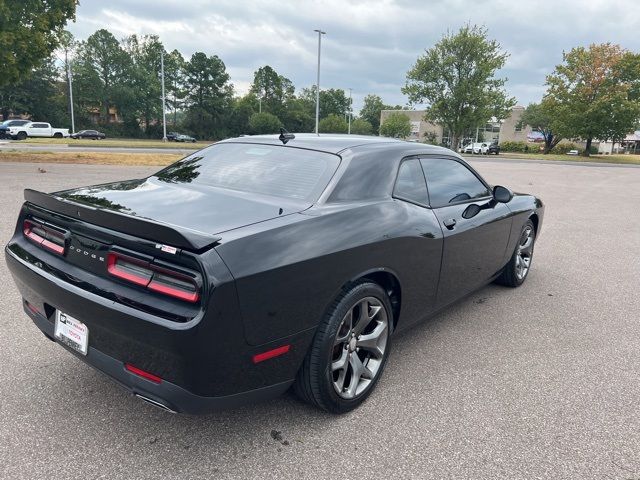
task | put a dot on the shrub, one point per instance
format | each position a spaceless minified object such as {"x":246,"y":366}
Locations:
{"x":514,"y":147}
{"x":397,"y":125}
{"x":265,"y":122}
{"x":359,"y":126}
{"x":564,"y":147}
{"x":333,"y":124}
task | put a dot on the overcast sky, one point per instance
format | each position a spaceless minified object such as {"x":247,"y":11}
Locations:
{"x":369,"y":45}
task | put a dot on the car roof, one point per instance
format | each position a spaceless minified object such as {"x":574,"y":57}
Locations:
{"x":330,"y":143}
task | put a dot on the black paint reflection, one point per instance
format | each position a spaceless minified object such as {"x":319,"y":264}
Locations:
{"x":182,"y":172}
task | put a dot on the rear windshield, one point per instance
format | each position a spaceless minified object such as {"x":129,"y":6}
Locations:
{"x":262,"y":169}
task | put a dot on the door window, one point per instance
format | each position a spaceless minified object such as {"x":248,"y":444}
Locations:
{"x":451,"y":182}
{"x":410,"y":184}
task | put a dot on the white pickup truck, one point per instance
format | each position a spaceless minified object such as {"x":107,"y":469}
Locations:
{"x":36,"y":129}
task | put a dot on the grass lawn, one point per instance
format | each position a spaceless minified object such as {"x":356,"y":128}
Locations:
{"x":627,"y":159}
{"x":95,"y":158}
{"x":117,"y":142}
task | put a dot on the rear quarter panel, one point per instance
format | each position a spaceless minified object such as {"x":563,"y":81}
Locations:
{"x":288,"y":271}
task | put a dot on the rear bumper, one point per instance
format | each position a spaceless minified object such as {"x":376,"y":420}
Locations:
{"x":205,"y":365}
{"x":165,"y":394}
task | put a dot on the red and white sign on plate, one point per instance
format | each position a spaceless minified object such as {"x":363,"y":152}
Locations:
{"x":71,"y":332}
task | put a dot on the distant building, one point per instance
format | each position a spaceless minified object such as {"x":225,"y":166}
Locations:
{"x":511,"y":129}
{"x":95,"y":115}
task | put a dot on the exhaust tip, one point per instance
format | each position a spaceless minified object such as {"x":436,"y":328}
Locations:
{"x":155,"y":403}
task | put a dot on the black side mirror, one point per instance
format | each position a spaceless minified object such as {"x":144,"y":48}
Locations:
{"x":502,"y":194}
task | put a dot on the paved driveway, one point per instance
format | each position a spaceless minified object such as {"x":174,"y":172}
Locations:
{"x":537,"y":382}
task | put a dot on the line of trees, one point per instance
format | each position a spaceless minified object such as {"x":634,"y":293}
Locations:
{"x":593,"y":94}
{"x":122,"y":78}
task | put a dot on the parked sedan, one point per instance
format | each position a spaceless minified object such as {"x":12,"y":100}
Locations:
{"x":185,"y":138}
{"x":92,"y":134}
{"x":263,"y":262}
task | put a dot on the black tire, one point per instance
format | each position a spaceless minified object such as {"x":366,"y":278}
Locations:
{"x":315,"y":380}
{"x":57,"y":135}
{"x":21,"y":135}
{"x":510,"y":277}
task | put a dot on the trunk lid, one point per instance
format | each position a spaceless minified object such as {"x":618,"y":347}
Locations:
{"x":200,"y":208}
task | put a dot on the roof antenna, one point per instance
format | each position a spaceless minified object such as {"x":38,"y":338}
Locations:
{"x":285,"y":136}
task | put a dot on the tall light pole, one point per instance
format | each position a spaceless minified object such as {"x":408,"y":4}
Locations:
{"x":164,"y":112}
{"x":320,"y":33}
{"x":350,"y":107}
{"x":69,"y":77}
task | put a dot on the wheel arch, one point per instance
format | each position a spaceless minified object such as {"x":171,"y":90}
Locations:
{"x":535,"y":220}
{"x":389,"y":281}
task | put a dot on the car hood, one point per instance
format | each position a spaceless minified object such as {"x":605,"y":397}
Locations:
{"x":197,"y":207}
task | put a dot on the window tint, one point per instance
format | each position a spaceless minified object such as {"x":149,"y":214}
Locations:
{"x":39,"y":125}
{"x":263,"y":169}
{"x":450,"y":182}
{"x":410,"y":182}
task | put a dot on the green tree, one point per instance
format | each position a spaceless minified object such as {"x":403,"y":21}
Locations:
{"x":174,"y":64}
{"x":539,"y":116}
{"x":457,"y":79}
{"x":397,"y":125}
{"x":144,"y":78}
{"x":272,"y":89}
{"x":333,"y":124}
{"x":265,"y":122}
{"x":100,"y":71}
{"x":299,"y":116}
{"x":209,"y":95}
{"x":39,"y":94}
{"x":333,"y":101}
{"x":594,"y":92}
{"x":29,"y":32}
{"x":371,"y":110}
{"x":360,"y":126}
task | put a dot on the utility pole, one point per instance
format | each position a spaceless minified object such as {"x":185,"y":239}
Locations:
{"x":259,"y":104}
{"x":70,"y":80}
{"x":320,"y":33}
{"x":350,"y":107}
{"x":164,"y":113}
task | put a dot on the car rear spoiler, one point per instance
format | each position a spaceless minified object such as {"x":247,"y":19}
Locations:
{"x":139,"y":227}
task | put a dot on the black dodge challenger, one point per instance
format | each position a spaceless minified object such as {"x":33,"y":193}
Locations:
{"x":263,"y":262}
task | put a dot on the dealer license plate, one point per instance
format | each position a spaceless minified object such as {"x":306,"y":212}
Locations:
{"x":73,"y":333}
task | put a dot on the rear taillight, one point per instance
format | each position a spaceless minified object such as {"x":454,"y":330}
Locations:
{"x":157,"y":279}
{"x":45,"y":236}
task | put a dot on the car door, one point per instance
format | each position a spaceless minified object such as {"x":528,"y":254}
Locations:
{"x":39,"y":130}
{"x":423,"y":252}
{"x":474,"y":247}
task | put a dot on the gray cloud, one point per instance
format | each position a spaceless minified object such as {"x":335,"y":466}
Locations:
{"x":371,"y":44}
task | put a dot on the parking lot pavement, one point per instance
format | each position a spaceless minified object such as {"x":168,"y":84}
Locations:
{"x":537,"y":382}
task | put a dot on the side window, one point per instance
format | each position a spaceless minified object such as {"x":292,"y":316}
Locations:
{"x":450,"y":182}
{"x":410,"y":183}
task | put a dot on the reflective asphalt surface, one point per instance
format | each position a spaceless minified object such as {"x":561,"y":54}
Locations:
{"x":537,"y":382}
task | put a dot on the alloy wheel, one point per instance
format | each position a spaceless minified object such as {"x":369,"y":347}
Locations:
{"x":359,"y":347}
{"x":524,"y":253}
